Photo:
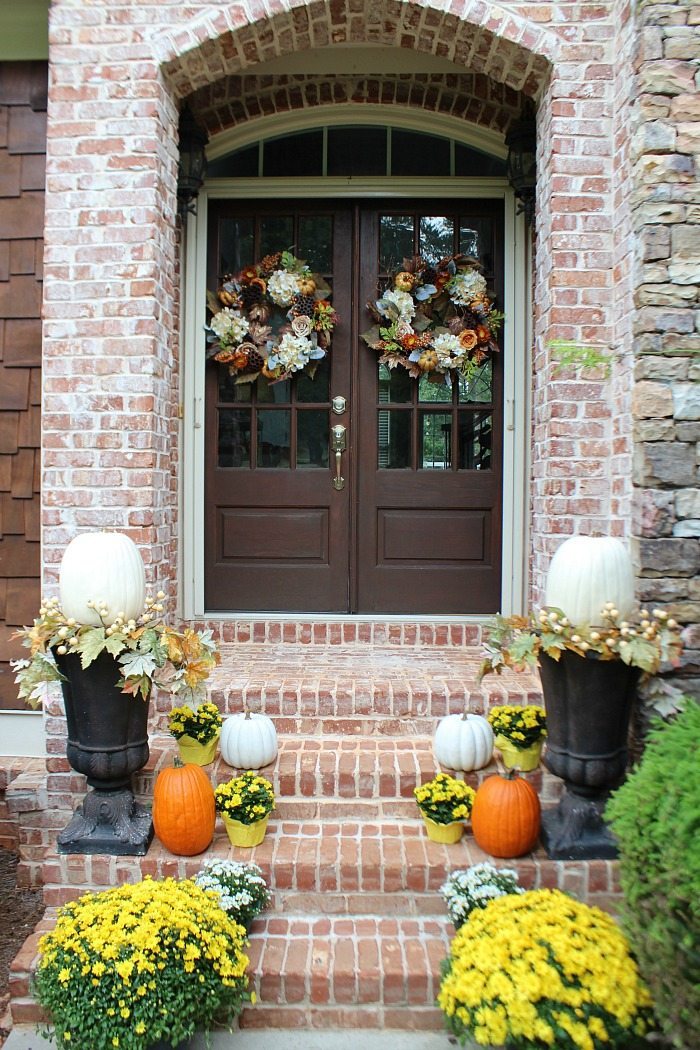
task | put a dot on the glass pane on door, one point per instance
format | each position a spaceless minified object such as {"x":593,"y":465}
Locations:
{"x":276,"y":431}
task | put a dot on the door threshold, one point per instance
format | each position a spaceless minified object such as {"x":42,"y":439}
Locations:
{"x":319,"y":617}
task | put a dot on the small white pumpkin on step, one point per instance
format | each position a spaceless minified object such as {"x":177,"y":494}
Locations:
{"x":463,"y":742}
{"x":586,"y":573}
{"x":248,"y":741}
{"x":105,"y":569}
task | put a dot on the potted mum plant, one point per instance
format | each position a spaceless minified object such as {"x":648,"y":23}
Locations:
{"x":475,"y":887}
{"x":245,"y":803}
{"x":140,"y":967}
{"x":240,"y":888}
{"x":534,"y":970}
{"x":197,"y":731}
{"x":444,"y":804}
{"x":590,"y":651}
{"x":519,"y":734}
{"x":105,"y":642}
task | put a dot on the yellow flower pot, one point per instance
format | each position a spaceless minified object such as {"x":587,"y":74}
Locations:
{"x":446,"y":833}
{"x":200,"y":754}
{"x":523,"y":758}
{"x":245,"y":835}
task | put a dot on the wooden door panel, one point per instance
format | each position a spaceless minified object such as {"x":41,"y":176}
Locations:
{"x":429,"y":529}
{"x":403,"y":535}
{"x":277,"y":534}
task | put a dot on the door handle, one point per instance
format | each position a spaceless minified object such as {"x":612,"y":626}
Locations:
{"x":338,"y":445}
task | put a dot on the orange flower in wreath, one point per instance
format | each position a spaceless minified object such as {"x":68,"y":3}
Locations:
{"x":468,"y":339}
{"x":483,"y":334}
{"x":411,"y":341}
{"x":248,"y":275}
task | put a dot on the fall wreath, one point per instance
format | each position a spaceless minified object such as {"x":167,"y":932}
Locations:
{"x":435,"y":320}
{"x":272,"y":319}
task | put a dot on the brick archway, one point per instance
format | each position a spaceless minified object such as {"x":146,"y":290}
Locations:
{"x":477,"y":36}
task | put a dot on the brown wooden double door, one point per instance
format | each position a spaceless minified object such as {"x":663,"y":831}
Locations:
{"x":416,"y":527}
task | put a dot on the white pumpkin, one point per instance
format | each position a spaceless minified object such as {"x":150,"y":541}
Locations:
{"x":248,"y":741}
{"x":463,"y":742}
{"x":105,"y":568}
{"x":588,"y":572}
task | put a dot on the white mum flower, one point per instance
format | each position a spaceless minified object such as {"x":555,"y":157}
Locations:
{"x":448,"y":348}
{"x":229,"y":325}
{"x":294,"y":351}
{"x":282,"y":286}
{"x":403,"y":302}
{"x":465,"y":286}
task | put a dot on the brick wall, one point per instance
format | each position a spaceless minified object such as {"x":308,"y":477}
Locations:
{"x":119,"y":73}
{"x":665,"y":146}
{"x":22,"y":150}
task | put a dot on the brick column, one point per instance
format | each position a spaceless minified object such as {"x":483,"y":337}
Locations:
{"x":110,"y":302}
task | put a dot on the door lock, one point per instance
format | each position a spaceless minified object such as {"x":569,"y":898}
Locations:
{"x":338,"y":444}
{"x":338,"y":404}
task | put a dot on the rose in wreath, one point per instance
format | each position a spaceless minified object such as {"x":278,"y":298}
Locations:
{"x":272,"y":318}
{"x":435,"y":320}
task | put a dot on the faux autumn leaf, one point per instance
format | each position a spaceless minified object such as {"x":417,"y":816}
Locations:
{"x":90,"y":644}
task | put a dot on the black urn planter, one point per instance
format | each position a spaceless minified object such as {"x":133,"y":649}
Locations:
{"x":107,"y":741}
{"x":588,"y":703}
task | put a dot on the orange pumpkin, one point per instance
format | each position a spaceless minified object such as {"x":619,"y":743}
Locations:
{"x":506,"y":815}
{"x":184,"y":813}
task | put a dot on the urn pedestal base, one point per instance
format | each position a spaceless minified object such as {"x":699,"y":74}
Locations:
{"x":575,"y":830}
{"x":108,"y":822}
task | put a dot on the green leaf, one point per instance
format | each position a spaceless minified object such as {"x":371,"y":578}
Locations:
{"x":91,"y":643}
{"x":138,"y":665}
{"x":523,"y":650}
{"x":640,"y":653}
{"x":115,"y":643}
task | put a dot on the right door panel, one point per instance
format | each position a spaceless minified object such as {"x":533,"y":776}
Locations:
{"x":430,"y":457}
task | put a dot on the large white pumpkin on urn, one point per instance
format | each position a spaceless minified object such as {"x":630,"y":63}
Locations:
{"x":463,"y":742}
{"x":586,"y":573}
{"x":248,"y":741}
{"x":106,"y":569}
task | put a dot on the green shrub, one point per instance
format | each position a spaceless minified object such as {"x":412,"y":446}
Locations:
{"x":656,"y":817}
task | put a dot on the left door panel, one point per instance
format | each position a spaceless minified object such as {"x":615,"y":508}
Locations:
{"x":276,"y":529}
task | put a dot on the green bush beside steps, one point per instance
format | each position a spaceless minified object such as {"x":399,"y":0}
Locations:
{"x":656,"y":818}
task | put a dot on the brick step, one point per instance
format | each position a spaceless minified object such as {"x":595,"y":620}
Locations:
{"x":313,"y":972}
{"x":338,"y":768}
{"x":349,"y":867}
{"x":354,"y":689}
{"x":360,"y":972}
{"x":325,"y":630}
{"x":323,"y":777}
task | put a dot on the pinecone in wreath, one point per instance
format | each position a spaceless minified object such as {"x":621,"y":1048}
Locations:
{"x":470,"y":319}
{"x":270,"y":263}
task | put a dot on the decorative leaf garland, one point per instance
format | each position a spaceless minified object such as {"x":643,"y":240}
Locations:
{"x":272,"y":319}
{"x":435,"y":321}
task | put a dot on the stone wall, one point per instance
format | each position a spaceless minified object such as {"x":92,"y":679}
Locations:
{"x":666,"y":406}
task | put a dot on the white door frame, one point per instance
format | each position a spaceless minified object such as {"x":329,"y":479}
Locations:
{"x":515,"y":338}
